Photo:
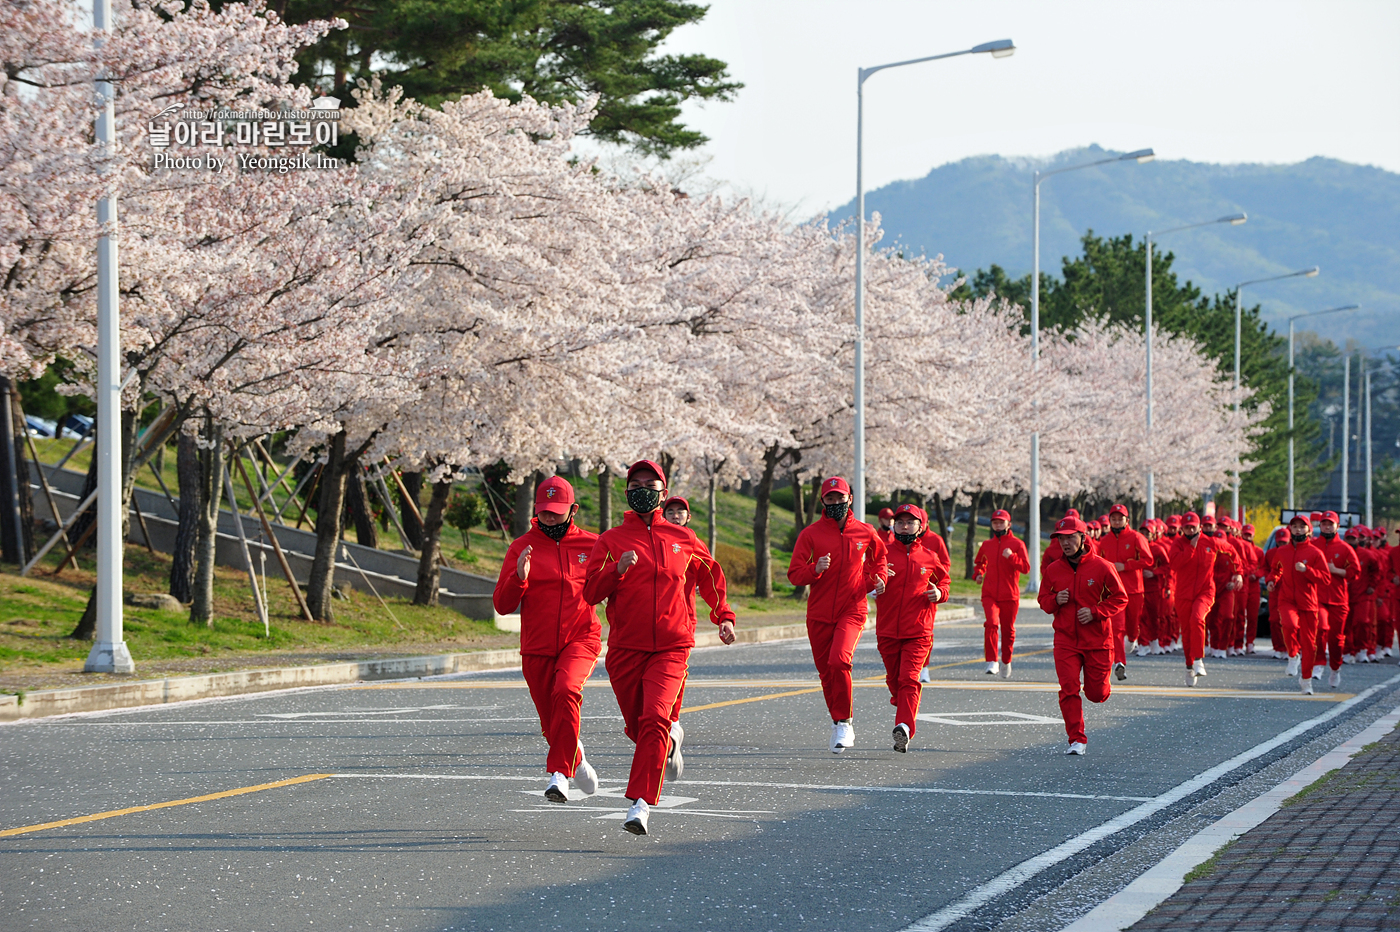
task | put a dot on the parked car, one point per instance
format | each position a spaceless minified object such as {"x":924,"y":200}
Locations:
{"x":39,"y":427}
{"x":79,"y":425}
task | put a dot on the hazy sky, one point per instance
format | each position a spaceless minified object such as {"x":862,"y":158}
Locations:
{"x":1219,"y":81}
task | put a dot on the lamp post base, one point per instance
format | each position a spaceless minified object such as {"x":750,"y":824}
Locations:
{"x":109,"y":657}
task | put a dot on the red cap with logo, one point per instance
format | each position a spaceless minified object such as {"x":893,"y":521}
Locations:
{"x":911,"y":509}
{"x":675,"y":500}
{"x":1003,"y":514}
{"x":1173,"y":521}
{"x":647,"y":464}
{"x":836,"y":484}
{"x":1072,"y":513}
{"x":1303,"y":518}
{"x":1119,"y":509}
{"x":1329,"y":516}
{"x":1069,"y":524}
{"x":555,"y":495}
{"x":1190,"y":519}
{"x":1281,"y":535}
{"x":887,"y":512}
{"x":1249,"y":529}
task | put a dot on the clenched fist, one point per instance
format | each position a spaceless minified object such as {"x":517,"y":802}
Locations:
{"x":522,"y":566}
{"x":626,"y":562}
{"x":1062,"y":597}
{"x":823,"y":562}
{"x":1084,"y":616}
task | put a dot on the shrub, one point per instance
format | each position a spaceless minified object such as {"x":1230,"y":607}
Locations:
{"x":739,"y":566}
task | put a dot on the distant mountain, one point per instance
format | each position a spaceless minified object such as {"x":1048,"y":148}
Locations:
{"x":1342,"y":217}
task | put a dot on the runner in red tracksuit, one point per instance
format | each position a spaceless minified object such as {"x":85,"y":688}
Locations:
{"x":1285,"y":642}
{"x":1000,"y":561}
{"x":1253,"y":573}
{"x":1300,"y":568}
{"x":885,"y":528}
{"x":1129,"y":553}
{"x":939,"y":546}
{"x":917,"y":580}
{"x":841,"y":558}
{"x":1341,"y":564}
{"x":560,"y":638}
{"x":1234,"y":639}
{"x":1361,"y":595}
{"x":1220,"y":618}
{"x":1390,"y":573}
{"x":1153,"y":637}
{"x":1386,"y":591}
{"x":1083,"y":593}
{"x":1194,"y":561}
{"x":642,"y":567}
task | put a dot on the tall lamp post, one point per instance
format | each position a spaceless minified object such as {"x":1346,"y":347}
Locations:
{"x":1291,"y":370}
{"x":109,"y":652}
{"x":1001,"y":48}
{"x":1033,"y":516}
{"x":1239,"y":290}
{"x":1233,"y":220}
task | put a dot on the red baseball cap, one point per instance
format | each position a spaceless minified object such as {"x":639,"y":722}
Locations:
{"x":1174,"y":521}
{"x":1119,"y":509}
{"x":675,"y":500}
{"x":1352,"y":532}
{"x":911,"y":509}
{"x":1249,"y":529}
{"x":1001,"y":513}
{"x":1315,"y":516}
{"x":1303,"y":518}
{"x":887,"y":512}
{"x":1072,"y":513}
{"x":1103,"y":520}
{"x":647,"y":464}
{"x":1069,"y":524}
{"x":1329,"y":516}
{"x":1189,"y":519}
{"x":555,"y":495}
{"x":836,"y":484}
{"x":1281,"y":534}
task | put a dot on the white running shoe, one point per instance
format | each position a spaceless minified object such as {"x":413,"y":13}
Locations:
{"x":1348,"y":658}
{"x":1076,"y":748}
{"x":558,"y":789}
{"x":1317,"y":671}
{"x":1305,"y":685}
{"x":1372,"y":657}
{"x":1006,"y":671}
{"x":1295,"y":665}
{"x":637,"y":816}
{"x":901,"y":738}
{"x":585,"y":777}
{"x":1142,"y":650}
{"x":1199,"y":667}
{"x":675,"y":763}
{"x":843,"y":736}
{"x":925,"y":676}
{"x":1157,"y":649}
{"x":1335,"y":679}
{"x":1120,"y":670}
{"x":1362,"y":658}
{"x":1249,"y":648}
{"x":992,"y":666}
{"x":1191,"y":676}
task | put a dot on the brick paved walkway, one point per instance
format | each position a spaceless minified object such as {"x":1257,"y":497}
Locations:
{"x":1329,"y":860}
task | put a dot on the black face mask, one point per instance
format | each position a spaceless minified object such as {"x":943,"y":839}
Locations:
{"x":836,"y":512}
{"x":643,"y":501}
{"x":1299,"y":537}
{"x":998,"y":533}
{"x":1332,"y":536}
{"x":906,"y":539}
{"x":555,"y":532}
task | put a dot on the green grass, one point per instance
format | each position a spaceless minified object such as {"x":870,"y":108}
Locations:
{"x":1208,"y":866}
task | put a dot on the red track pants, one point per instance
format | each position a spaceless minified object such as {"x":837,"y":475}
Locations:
{"x":1191,"y":615}
{"x":1251,"y":609}
{"x":647,"y":685}
{"x":1361,"y":622}
{"x":1334,"y":616}
{"x":1300,"y":628}
{"x":1220,"y":618}
{"x":903,"y":657}
{"x":1096,"y":665}
{"x":1276,"y":632}
{"x":556,"y":687}
{"x":1127,"y":624}
{"x":1385,"y":626}
{"x":1153,"y":627}
{"x":999,"y":626}
{"x":833,"y":649}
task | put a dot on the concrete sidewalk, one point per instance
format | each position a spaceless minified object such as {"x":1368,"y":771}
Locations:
{"x":1329,"y":859}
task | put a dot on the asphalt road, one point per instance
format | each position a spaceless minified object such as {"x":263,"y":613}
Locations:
{"x":424,"y":806}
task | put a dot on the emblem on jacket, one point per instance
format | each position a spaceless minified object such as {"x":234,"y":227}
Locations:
{"x":583,"y":557}
{"x":860,"y":545}
{"x":675,"y":548}
{"x":1091,"y":582}
{"x":923,"y":571}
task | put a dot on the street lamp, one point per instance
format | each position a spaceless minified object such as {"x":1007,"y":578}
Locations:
{"x":1001,"y":48}
{"x":1239,"y":290}
{"x":1234,"y":220}
{"x":1033,"y":517}
{"x":1331,"y":310}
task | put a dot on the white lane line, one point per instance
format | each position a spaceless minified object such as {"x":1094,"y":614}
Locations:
{"x":1141,"y":896}
{"x":935,"y":790}
{"x":1013,"y":878}
{"x":622,"y":813}
{"x":353,"y":721}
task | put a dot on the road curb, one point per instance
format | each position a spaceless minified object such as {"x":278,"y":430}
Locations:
{"x":48,"y":702}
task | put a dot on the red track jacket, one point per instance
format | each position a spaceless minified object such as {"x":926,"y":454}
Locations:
{"x":1094,"y":585}
{"x":1001,"y":576}
{"x":903,"y":610}
{"x":1194,"y":568}
{"x":1291,"y":587}
{"x":647,"y":606}
{"x":1333,"y":589}
{"x":1131,"y":549}
{"x":553,"y":612}
{"x":857,"y":563}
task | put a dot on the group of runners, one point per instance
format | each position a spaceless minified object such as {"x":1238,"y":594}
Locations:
{"x":1186,"y":583}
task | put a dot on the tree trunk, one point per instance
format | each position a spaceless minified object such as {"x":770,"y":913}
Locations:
{"x":814,"y":499}
{"x":942,"y":516}
{"x":187,"y":476}
{"x":85,"y":520}
{"x":17,"y":531}
{"x":524,"y":506}
{"x":712,"y":525}
{"x":429,"y":574}
{"x":799,"y":519}
{"x":357,"y":509}
{"x":970,"y":551}
{"x":762,"y":554}
{"x":412,"y":526}
{"x":604,"y":499}
{"x":208,"y":494}
{"x":328,"y":511}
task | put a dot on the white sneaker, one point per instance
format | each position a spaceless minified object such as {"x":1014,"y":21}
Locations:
{"x":1191,"y":676}
{"x":637,"y":816}
{"x":585,"y":777}
{"x":675,"y":762}
{"x":558,"y":789}
{"x":1142,"y":650}
{"x":1348,"y":658}
{"x":992,"y":667}
{"x":1199,"y":667}
{"x":1120,"y":670}
{"x":1295,"y":665}
{"x":901,"y":738}
{"x":1006,"y":671}
{"x":1335,"y":679}
{"x":1372,"y":657}
{"x":1317,"y":672}
{"x":1362,"y":658}
{"x":843,"y":736}
{"x":1077,"y":748}
{"x":925,"y":676}
{"x":1249,"y":648}
{"x":1305,"y":685}
{"x":1157,"y":649}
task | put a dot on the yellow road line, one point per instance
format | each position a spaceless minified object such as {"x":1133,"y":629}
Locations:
{"x":1177,"y":692}
{"x":963,"y":663}
{"x":178,"y":802}
{"x":719,"y":705}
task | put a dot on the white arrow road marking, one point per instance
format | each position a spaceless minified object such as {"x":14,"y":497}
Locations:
{"x":988,"y":718}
